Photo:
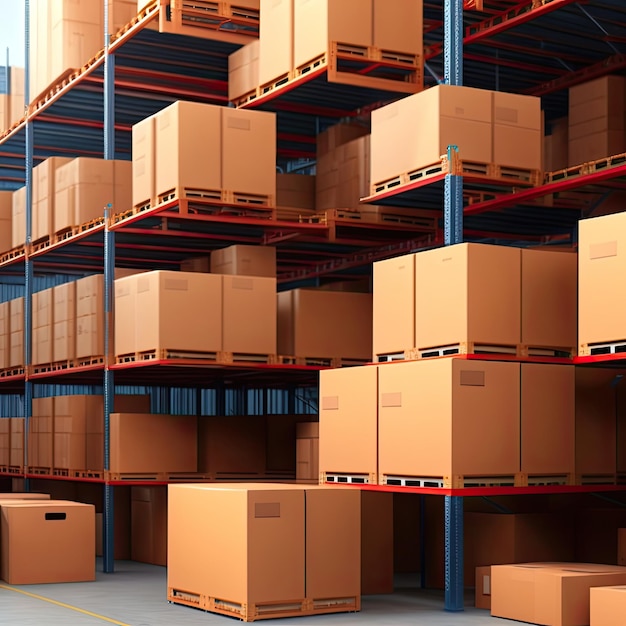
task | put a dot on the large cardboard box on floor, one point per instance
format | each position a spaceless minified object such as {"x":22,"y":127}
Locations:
{"x":415,"y":132}
{"x":233,"y":446}
{"x":481,"y":303}
{"x":349,"y":422}
{"x":64,"y":317}
{"x":85,"y":186}
{"x":311,"y":534}
{"x":244,"y":68}
{"x":18,"y":219}
{"x":608,"y":605}
{"x":325,"y":324}
{"x":448,"y":419}
{"x":275,"y":40}
{"x":307,"y":452}
{"x":166,"y":312}
{"x":548,"y":419}
{"x":601,"y":261}
{"x":16,"y":458}
{"x":549,"y":593}
{"x":16,"y":340}
{"x":153,"y":443}
{"x":244,"y":261}
{"x":47,"y":542}
{"x":549,"y":299}
{"x":394,"y":305}
{"x":318,"y":23}
{"x":44,"y":192}
{"x":6,"y":218}
{"x":43,"y":327}
{"x":241,"y":297}
{"x":5,"y":334}
{"x":149,"y":525}
{"x":377,"y":515}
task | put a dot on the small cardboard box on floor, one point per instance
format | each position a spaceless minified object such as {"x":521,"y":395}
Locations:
{"x":608,"y":606}
{"x":47,"y":542}
{"x":148,"y":519}
{"x":309,"y":537}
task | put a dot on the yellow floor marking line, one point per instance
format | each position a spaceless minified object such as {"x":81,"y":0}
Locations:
{"x":63,"y":605}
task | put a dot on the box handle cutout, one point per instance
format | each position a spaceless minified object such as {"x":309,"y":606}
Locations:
{"x":55,"y":517}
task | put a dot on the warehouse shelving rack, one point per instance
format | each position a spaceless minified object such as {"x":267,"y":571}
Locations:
{"x":516,"y":46}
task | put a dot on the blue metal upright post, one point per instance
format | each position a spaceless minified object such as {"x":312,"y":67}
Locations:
{"x":453,"y":233}
{"x":28,"y":278}
{"x":108,"y":551}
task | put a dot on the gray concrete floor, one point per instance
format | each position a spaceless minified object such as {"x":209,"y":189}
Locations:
{"x":135,"y":596}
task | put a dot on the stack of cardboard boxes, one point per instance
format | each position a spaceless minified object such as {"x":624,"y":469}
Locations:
{"x":12,"y":105}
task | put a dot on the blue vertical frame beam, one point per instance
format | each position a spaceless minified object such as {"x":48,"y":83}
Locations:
{"x":28,"y":278}
{"x":108,"y":551}
{"x":453,"y":233}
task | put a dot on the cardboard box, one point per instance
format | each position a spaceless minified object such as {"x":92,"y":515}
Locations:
{"x":349,"y":421}
{"x":149,"y":525}
{"x":483,"y":588}
{"x":232,"y":446}
{"x":85,"y":186}
{"x":144,"y":162}
{"x":90,"y":317}
{"x":249,"y":154}
{"x":5,"y":442}
{"x":244,"y":68}
{"x":517,"y":131}
{"x":599,"y":266}
{"x":377,"y":513}
{"x":64,"y":316}
{"x":595,"y":422}
{"x":607,"y":605}
{"x":398,"y":25}
{"x":244,"y":261}
{"x":415,"y":131}
{"x":317,"y":23}
{"x":153,"y":443}
{"x":44,"y":192}
{"x":72,"y":416}
{"x":6,"y":218}
{"x":621,"y":546}
{"x":150,"y":308}
{"x":307,"y":452}
{"x":337,"y":135}
{"x":24,"y":496}
{"x":549,"y":299}
{"x":180,"y":164}
{"x":275,"y":40}
{"x":602,"y":95}
{"x":595,"y":146}
{"x":16,"y":458}
{"x":556,"y":146}
{"x":394,"y":305}
{"x":548,"y":426}
{"x":5,"y":335}
{"x":121,"y":525}
{"x":16,"y":312}
{"x":449,"y":419}
{"x":281,"y":443}
{"x":311,"y":534}
{"x":200,"y":264}
{"x":325,"y":324}
{"x":243,"y":297}
{"x":551,"y":594}
{"x":481,"y":302}
{"x":43,"y":327}
{"x":18,"y":221}
{"x":295,"y":191}
{"x":47,"y":542}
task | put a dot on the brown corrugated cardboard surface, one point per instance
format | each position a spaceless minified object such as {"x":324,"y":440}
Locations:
{"x":241,"y":295}
{"x":16,"y":312}
{"x":244,"y":524}
{"x":595,"y":422}
{"x":232,"y":445}
{"x":295,"y":191}
{"x":553,"y":594}
{"x":18,"y":221}
{"x":275,"y":40}
{"x":608,"y":605}
{"x":43,"y":327}
{"x":307,"y":452}
{"x":243,"y":68}
{"x":483,"y":588}
{"x":144,"y":162}
{"x":556,"y":146}
{"x":398,"y":25}
{"x":481,"y":302}
{"x":64,"y":316}
{"x":200,"y":264}
{"x":348,"y":420}
{"x":150,"y":307}
{"x":325,"y":324}
{"x":621,"y":546}
{"x":281,"y":441}
{"x":180,"y":128}
{"x":377,"y":534}
{"x":41,"y":434}
{"x":5,"y":335}
{"x":16,"y":458}
{"x":153,"y":443}
{"x":90,"y":316}
{"x":5,"y":441}
{"x":121,"y":521}
{"x":44,"y":191}
{"x":244,"y":261}
{"x":394,"y":305}
{"x":46,"y":542}
{"x":596,"y":146}
{"x":548,"y":419}
{"x":24,"y":496}
{"x":449,"y":417}
{"x":600,"y":262}
{"x":6,"y":217}
{"x":249,"y":152}
{"x":319,"y":22}
{"x":549,"y":298}
{"x":337,"y":135}
{"x":149,"y":525}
